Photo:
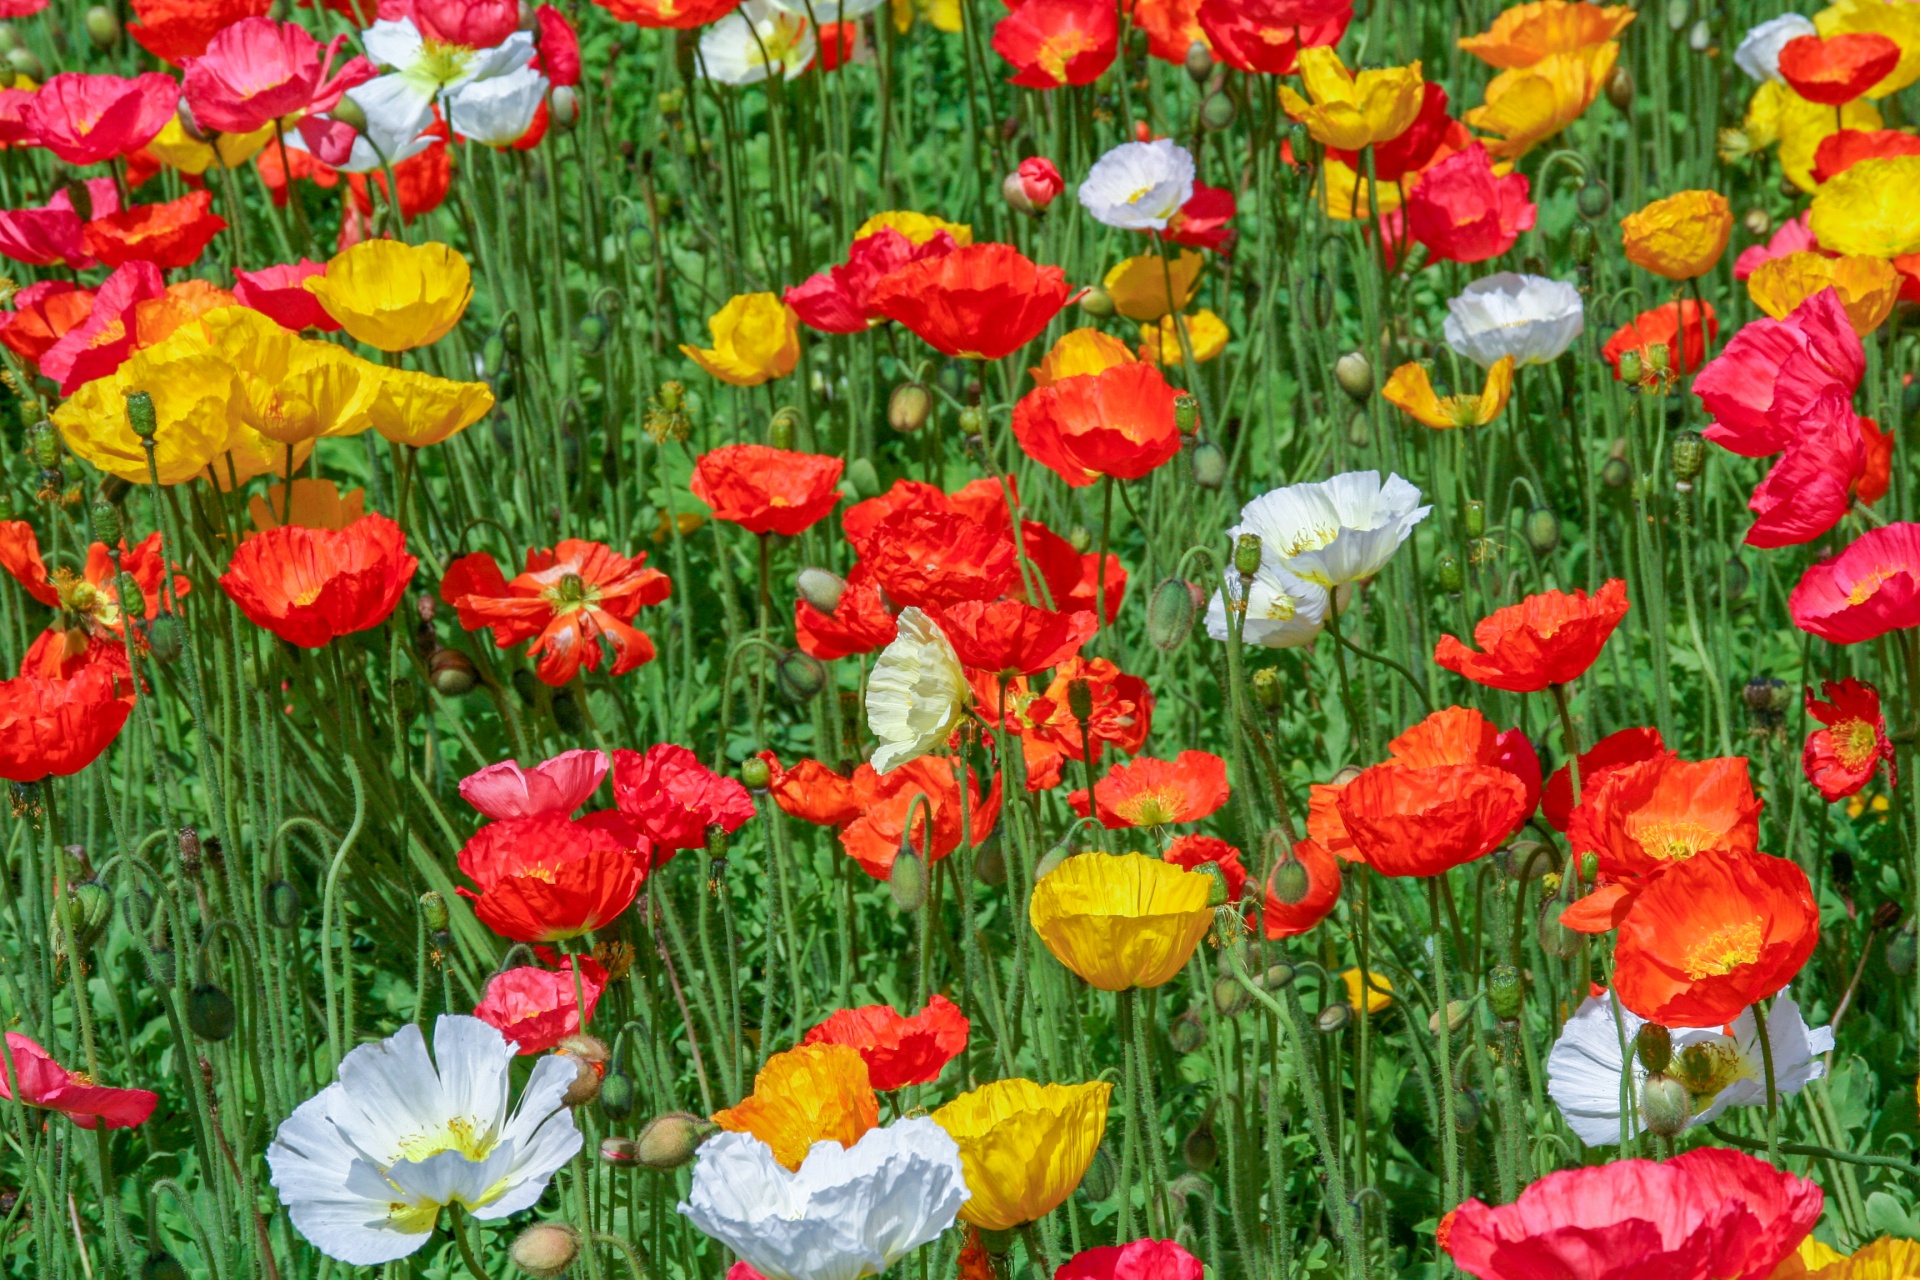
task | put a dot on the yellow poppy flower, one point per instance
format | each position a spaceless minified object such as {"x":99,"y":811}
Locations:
{"x":1884,"y":1259}
{"x":1680,"y":237}
{"x":1121,"y":920}
{"x":1080,"y":351}
{"x":1526,"y":33}
{"x":1776,"y":114}
{"x":1868,"y":287}
{"x":395,"y":296}
{"x":291,"y":388}
{"x":756,"y":338}
{"x":1897,"y":20}
{"x":1377,"y":990}
{"x":420,"y":409}
{"x":917,"y":227}
{"x":155,"y":319}
{"x":1349,"y":111}
{"x":1024,"y":1146}
{"x":317,"y":504}
{"x":247,"y":454}
{"x":178,"y":149}
{"x":815,"y":1093}
{"x":1206,"y":333}
{"x":1410,"y":389}
{"x":1139,"y":285}
{"x":1524,"y":106}
{"x":1346,"y":196}
{"x":1873,"y":209}
{"x":193,"y":389}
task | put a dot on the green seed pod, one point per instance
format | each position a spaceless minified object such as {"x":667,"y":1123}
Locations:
{"x":670,"y":1140}
{"x":909,"y":407}
{"x":1246,"y":554}
{"x":161,"y":1265}
{"x":1506,"y":992}
{"x":105,"y":519}
{"x":1186,"y":412}
{"x":800,"y":676}
{"x":1688,"y":457}
{"x":1101,"y":1177}
{"x":433,"y":910}
{"x":166,"y":636}
{"x":1199,"y":62}
{"x":1268,"y":692}
{"x":43,"y":442}
{"x":908,"y":880}
{"x":1452,"y":577}
{"x":103,"y":28}
{"x":1632,"y":368}
{"x":1360,"y":429}
{"x":1583,"y":245}
{"x":1542,"y":529}
{"x":1096,"y":303}
{"x":972,"y":420}
{"x":990,"y":863}
{"x":1654,"y":1044}
{"x":1230,"y":999}
{"x":493,"y":352}
{"x":1290,"y":881}
{"x":1217,"y":112}
{"x":1170,"y":615}
{"x":617,"y":1095}
{"x":1334,"y":1018}
{"x":1589,"y":866}
{"x":1665,"y":1105}
{"x":510,"y":333}
{"x":1209,"y":464}
{"x":283,"y":904}
{"x":590,"y":333}
{"x":1354,"y":372}
{"x":545,"y":1250}
{"x":210,"y":1012}
{"x":755,"y":774}
{"x":1593,"y":202}
{"x":1187,"y":1033}
{"x":1201,"y":1150}
{"x":866,"y":481}
{"x":452,"y":673}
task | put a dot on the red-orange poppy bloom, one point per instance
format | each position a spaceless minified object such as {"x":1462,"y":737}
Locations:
{"x":1119,"y":422}
{"x":1644,"y":817}
{"x":681,"y":15}
{"x":1012,"y":638}
{"x":1289,"y":919}
{"x":175,"y":30}
{"x":90,"y":598}
{"x":42,"y":313}
{"x":1546,"y":639}
{"x":898,"y":1050}
{"x":674,"y":799}
{"x":1266,"y":36}
{"x":1193,"y":850}
{"x":984,"y":501}
{"x":44,"y":1083}
{"x":859,"y":623}
{"x":767,"y":490}
{"x":567,"y":601}
{"x":1836,"y":70}
{"x":1627,"y":746}
{"x":1661,"y":327}
{"x":872,"y":839}
{"x":1050,"y":43}
{"x":168,"y":235}
{"x":932,"y":558}
{"x":1121,"y":715}
{"x":812,"y":792}
{"x":1155,"y":793}
{"x":1713,"y":936}
{"x":981,"y":302}
{"x":308,"y":586}
{"x":1071,"y":578}
{"x":1839,"y":152}
{"x":548,"y":878}
{"x":1843,"y":757}
{"x":61,"y":713}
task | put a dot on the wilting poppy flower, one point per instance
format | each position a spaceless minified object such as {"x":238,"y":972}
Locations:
{"x":1838,"y":69}
{"x":175,"y":30}
{"x":872,"y":839}
{"x":767,"y":490}
{"x":557,"y":786}
{"x":549,"y":878}
{"x":167,"y":235}
{"x":308,"y":586}
{"x":1155,"y":793}
{"x":1710,"y":1212}
{"x":840,"y":299}
{"x":1025,"y":1146}
{"x":1283,"y":919}
{"x":1055,"y":42}
{"x":393,"y":295}
{"x":1117,"y":423}
{"x":1661,"y":327}
{"x":90,"y":598}
{"x":1839,"y":152}
{"x":674,"y":799}
{"x":1680,"y":237}
{"x":1549,"y":638}
{"x":1463,"y":212}
{"x":813,"y":1093}
{"x":1410,"y":389}
{"x":1843,"y":757}
{"x":536,"y":1008}
{"x":926,"y":560}
{"x":59,"y":715}
{"x":1266,"y":36}
{"x":46,"y":1084}
{"x":1527,"y":33}
{"x":85,"y":119}
{"x":859,"y":623}
{"x":42,"y":314}
{"x":1135,"y":1260}
{"x":980,"y":302}
{"x":1010,"y":637}
{"x":280,"y":292}
{"x":1616,"y":750}
{"x":1351,"y":111}
{"x":1869,"y":589}
{"x":1712,"y":935}
{"x":898,"y":1051}
{"x":1121,"y":921}
{"x":812,"y":792}
{"x":1194,"y":850}
{"x":566,"y":602}
{"x":756,"y":339}
{"x":1524,"y":106}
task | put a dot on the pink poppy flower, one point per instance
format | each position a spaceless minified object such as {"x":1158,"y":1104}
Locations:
{"x":1762,"y":386}
{"x":536,"y":1008}
{"x":1135,"y":1260}
{"x":557,"y":786}
{"x":1812,"y":486}
{"x":85,"y":119}
{"x":50,"y":233}
{"x":471,"y":24}
{"x":278,"y":292}
{"x":256,"y":71}
{"x":1869,"y":589}
{"x":1463,"y":213}
{"x":840,"y":299}
{"x":673,"y":798}
{"x":45,"y":1083}
{"x":101,"y":343}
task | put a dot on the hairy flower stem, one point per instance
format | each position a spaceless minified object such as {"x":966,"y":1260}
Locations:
{"x":1449,"y":1136}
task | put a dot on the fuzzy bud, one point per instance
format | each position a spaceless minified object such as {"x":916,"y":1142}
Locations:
{"x":820,"y":588}
{"x":1268,"y":692}
{"x":619,"y":1151}
{"x":1096,"y":303}
{"x":1230,"y":998}
{"x":972,"y":420}
{"x":1170,"y":615}
{"x":908,"y":879}
{"x":1199,"y":62}
{"x":1505,"y":992}
{"x":1542,"y":528}
{"x":103,"y":28}
{"x":1665,"y":1105}
{"x":1592,"y":201}
{"x":433,"y":910}
{"x":800,"y":676}
{"x":671,"y":1140}
{"x":1290,"y":881}
{"x":1620,"y":89}
{"x":1217,"y":112}
{"x":617,"y":1096}
{"x":1333,"y":1019}
{"x":1456,"y":1018}
{"x":545,"y":1250}
{"x":1187,"y":1033}
{"x":1354,"y":373}
{"x":210,"y":1012}
{"x":755,"y":773}
{"x":282,"y":905}
{"x":909,"y":407}
{"x":1209,"y":464}
{"x":452,"y":673}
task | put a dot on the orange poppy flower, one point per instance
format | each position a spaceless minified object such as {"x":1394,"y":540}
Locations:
{"x":767,"y":490}
{"x":1527,"y":33}
{"x":168,"y":235}
{"x":1644,"y":817}
{"x":175,"y":30}
{"x":1836,"y":70}
{"x":1713,"y":936}
{"x":42,"y":315}
{"x":1119,"y":422}
{"x":1011,"y":637}
{"x":1122,"y":715}
{"x":548,"y":878}
{"x":567,"y":601}
{"x":309,"y":585}
{"x":1546,"y":639}
{"x":816,"y":1093}
{"x":1842,"y":757}
{"x":1680,"y":237}
{"x":872,"y":839}
{"x":1661,"y":327}
{"x":898,"y":1051}
{"x":811,"y":792}
{"x":61,"y":713}
{"x":980,"y":302}
{"x":1283,"y":919}
{"x":1155,"y":793}
{"x":1615,"y":751}
{"x":90,"y":598}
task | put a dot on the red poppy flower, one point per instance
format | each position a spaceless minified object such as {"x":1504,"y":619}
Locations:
{"x":1056,"y":42}
{"x":1135,"y":1260}
{"x":1836,"y":70}
{"x":1463,"y":212}
{"x":1407,"y":154}
{"x":1122,"y":715}
{"x":811,"y":792}
{"x":1628,"y":746}
{"x":90,"y":598}
{"x":1813,"y":485}
{"x":873,"y":838}
{"x":471,"y":24}
{"x":1290,"y":919}
{"x":1119,"y":422}
{"x":984,"y":501}
{"x":1713,"y":935}
{"x":278,"y":292}
{"x":1202,"y":221}
{"x":168,"y":235}
{"x":1643,"y":818}
{"x":673,"y":798}
{"x":549,"y":878}
{"x":1774,"y":373}
{"x":101,"y":343}
{"x":859,"y":623}
{"x":1869,"y":589}
{"x":1711,"y":1212}
{"x":53,"y":232}
{"x":1843,"y":757}
{"x":1071,"y":578}
{"x":1193,"y":849}
{"x":536,"y":1008}
{"x":60,"y":714}
{"x":681,"y":15}
{"x":982,"y":301}
{"x":175,"y":30}
{"x":85,"y":119}
{"x":1839,"y":152}
{"x":567,"y":601}
{"x":767,"y":490}
{"x":1009,"y":637}
{"x":840,"y":299}
{"x":1171,"y":27}
{"x":308,"y":586}
{"x":559,"y":46}
{"x":46,"y":1084}
{"x":927,"y":559}
{"x":1145,"y":792}
{"x":1660,"y":327}
{"x":556,"y":786}
{"x":42,"y":313}
{"x":1266,"y":36}
{"x":1546,"y":639}
{"x":898,"y":1051}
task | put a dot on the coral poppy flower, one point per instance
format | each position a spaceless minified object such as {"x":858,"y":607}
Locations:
{"x":1010,"y":637}
{"x":536,"y":1008}
{"x":1843,"y":757}
{"x":1135,"y":1260}
{"x":1524,"y":106}
{"x":168,"y":235}
{"x":60,"y":714}
{"x":1711,"y":1212}
{"x":1155,"y":793}
{"x":1549,"y":638}
{"x":308,"y":586}
{"x":1712,"y":935}
{"x":812,"y":792}
{"x":1057,"y":42}
{"x":1839,"y":152}
{"x":872,"y":839}
{"x":85,"y":119}
{"x":840,"y":299}
{"x":1119,"y":423}
{"x":1869,"y":589}
{"x":46,"y":1084}
{"x":668,"y":794}
{"x":1661,"y":327}
{"x":1025,"y":1146}
{"x":175,"y":30}
{"x":280,"y":292}
{"x":1680,"y":237}
{"x":42,"y":314}
{"x":898,"y":1051}
{"x":53,"y":232}
{"x":549,"y":878}
{"x":1194,"y":850}
{"x":1643,"y":817}
{"x":90,"y":598}
{"x":980,"y":302}
{"x":1616,"y":750}
{"x":1527,"y":33}
{"x":814,"y":1093}
{"x":556,"y":786}
{"x":1464,"y":212}
{"x":1838,"y":69}
{"x":393,"y":295}
{"x":930,"y":559}
{"x":767,"y":490}
{"x":859,"y":623}
{"x":1352,"y":111}
{"x":682,"y":15}
{"x":1266,"y":36}
{"x":1410,"y":389}
{"x":756,"y":339}
{"x":566,"y":602}
{"x":1283,"y":919}
{"x":1171,"y":27}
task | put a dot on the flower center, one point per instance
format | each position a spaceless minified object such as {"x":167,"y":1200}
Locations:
{"x":1056,"y":52}
{"x":1856,"y":743}
{"x":1673,"y":839}
{"x":1864,"y":589}
{"x":442,"y":63}
{"x":571,"y":591}
{"x":1724,"y":950}
{"x":1707,"y":1068}
{"x":1150,"y":808}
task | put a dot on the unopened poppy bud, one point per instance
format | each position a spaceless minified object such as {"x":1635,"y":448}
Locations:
{"x":210,"y":1012}
{"x":1631,"y":370}
{"x":1700,"y":36}
{"x":1689,"y":457}
{"x":452,"y":673}
{"x":1505,"y":992}
{"x":1290,"y":881}
{"x":433,"y":910}
{"x":590,"y":333}
{"x":1555,"y":938}
{"x":89,"y":908}
{"x":617,"y":1095}
{"x":1654,"y":1045}
{"x":671,"y":1140}
{"x":1217,"y":112}
{"x":909,"y":407}
{"x":1886,"y":915}
{"x":102,"y":27}
{"x":1354,"y":373}
{"x":545,"y":1250}
{"x":990,"y":863}
{"x":1665,"y":1105}
{"x":1096,"y":303}
{"x":1200,"y":1151}
{"x":781,"y":428}
{"x":1230,"y":998}
{"x":1620,"y":88}
{"x":1334,"y":1018}
{"x":1456,"y":1018}
{"x":161,"y":1265}
{"x":1469,"y":1105}
{"x":1199,"y":61}
{"x":1187,"y":1033}
{"x":190,"y":850}
{"x":563,"y":107}
{"x":1170,"y":615}
{"x":1758,"y":222}
{"x":1209,"y":465}
{"x":1217,"y":882}
{"x":800,"y":676}
{"x":1614,"y":472}
{"x":589,"y":1057}
{"x":1246,"y":554}
{"x":1034,"y":185}
{"x":349,"y":113}
{"x":755,"y":773}
{"x":165,"y":636}
{"x":972,"y":420}
{"x":908,"y":880}
{"x":1542,"y":528}
{"x":1080,"y":699}
{"x":820,"y":588}
{"x":1268,"y":692}
{"x":618,"y":1151}
{"x":1278,"y":977}
{"x":105,"y":519}
{"x":864,"y":478}
{"x":282,"y":904}
{"x":1186,"y":412}
{"x":1900,"y":951}
{"x":1452,"y":577}
{"x":1593,"y":201}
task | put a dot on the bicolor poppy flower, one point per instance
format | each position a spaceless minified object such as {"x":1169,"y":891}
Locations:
{"x":42,"y":314}
{"x":1839,"y":152}
{"x":1349,"y":111}
{"x":316,"y":504}
{"x":898,"y":1050}
{"x":1522,"y":107}
{"x":1145,"y":792}
{"x":1135,"y":1260}
{"x":1121,"y":921}
{"x":308,"y":586}
{"x":1058,"y":42}
{"x":1011,"y":637}
{"x":557,"y":786}
{"x":930,"y":559}
{"x":1869,"y":589}
{"x":1867,"y":287}
{"x":860,"y":621}
{"x":674,"y":799}
{"x":1409,"y":389}
{"x":1842,"y":757}
{"x":1791,"y":236}
{"x":1712,"y":935}
{"x":1118,"y":423}
{"x":1616,"y":750}
{"x":1266,"y":36}
{"x":43,"y":235}
{"x":46,"y":1084}
{"x":873,"y":838}
{"x":61,"y":713}
{"x":811,"y":792}
{"x":767,"y":490}
{"x":84,"y":119}
{"x":90,"y":598}
{"x":1676,"y":329}
{"x":537,"y":1008}
{"x":756,"y":339}
{"x":1836,"y":70}
{"x":1414,"y":149}
{"x":1548,"y":638}
{"x":549,"y":878}
{"x":1680,"y":237}
{"x":1283,"y":919}
{"x":280,"y":292}
{"x":569,"y":599}
{"x":1194,"y":850}
{"x":819,"y":1092}
{"x":1025,"y":1146}
{"x":1528,"y":33}
{"x":1464,"y":212}
{"x":175,"y":30}
{"x":980,"y":302}
{"x":168,"y":235}
{"x":840,"y":299}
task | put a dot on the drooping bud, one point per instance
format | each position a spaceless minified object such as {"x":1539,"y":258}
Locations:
{"x":1593,"y":201}
{"x":1758,"y":222}
{"x":619,"y":1151}
{"x":1505,"y":992}
{"x":909,"y":407}
{"x":972,"y":420}
{"x":1246,"y":554}
{"x":1217,"y":112}
{"x":210,"y":1012}
{"x":990,"y":862}
{"x":1456,"y":1018}
{"x":452,"y":673}
{"x":1170,"y":615}
{"x":1354,"y":373}
{"x":1885,"y":916}
{"x":589,"y":1057}
{"x":1620,"y":89}
{"x":350,"y":113}
{"x":590,"y":333}
{"x":1555,"y":938}
{"x":781,"y":428}
{"x":908,"y":880}
{"x":1665,"y":1105}
{"x":1542,"y":528}
{"x":670,"y":1140}
{"x":103,"y":28}
{"x":1187,"y":1033}
{"x":1334,"y":1018}
{"x":545,"y":1250}
{"x":1615,"y":474}
{"x":864,"y":478}
{"x":1230,"y":999}
{"x":800,"y":676}
{"x":1200,"y":1151}
{"x":282,"y":904}
{"x":1468,"y":1106}
{"x":617,"y":1096}
{"x":1268,"y":693}
{"x":166,"y":636}
{"x":563,"y":107}
{"x":1209,"y":464}
{"x":161,"y":1265}
{"x":1278,"y":977}
{"x":89,"y":909}
{"x":755,"y":773}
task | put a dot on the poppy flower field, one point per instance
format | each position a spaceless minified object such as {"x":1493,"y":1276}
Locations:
{"x":1048,"y":640}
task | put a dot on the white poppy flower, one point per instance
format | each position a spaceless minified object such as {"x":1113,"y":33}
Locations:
{"x":396,"y":127}
{"x":431,"y":68}
{"x":498,"y":111}
{"x":1531,"y":318}
{"x":918,"y":691}
{"x":365,"y":1165}
{"x":847,"y":1212}
{"x":1759,"y":51}
{"x":1719,"y":1069}
{"x":1282,"y":611}
{"x":1333,"y":532}
{"x":1139,"y":186}
{"x":754,"y":41}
